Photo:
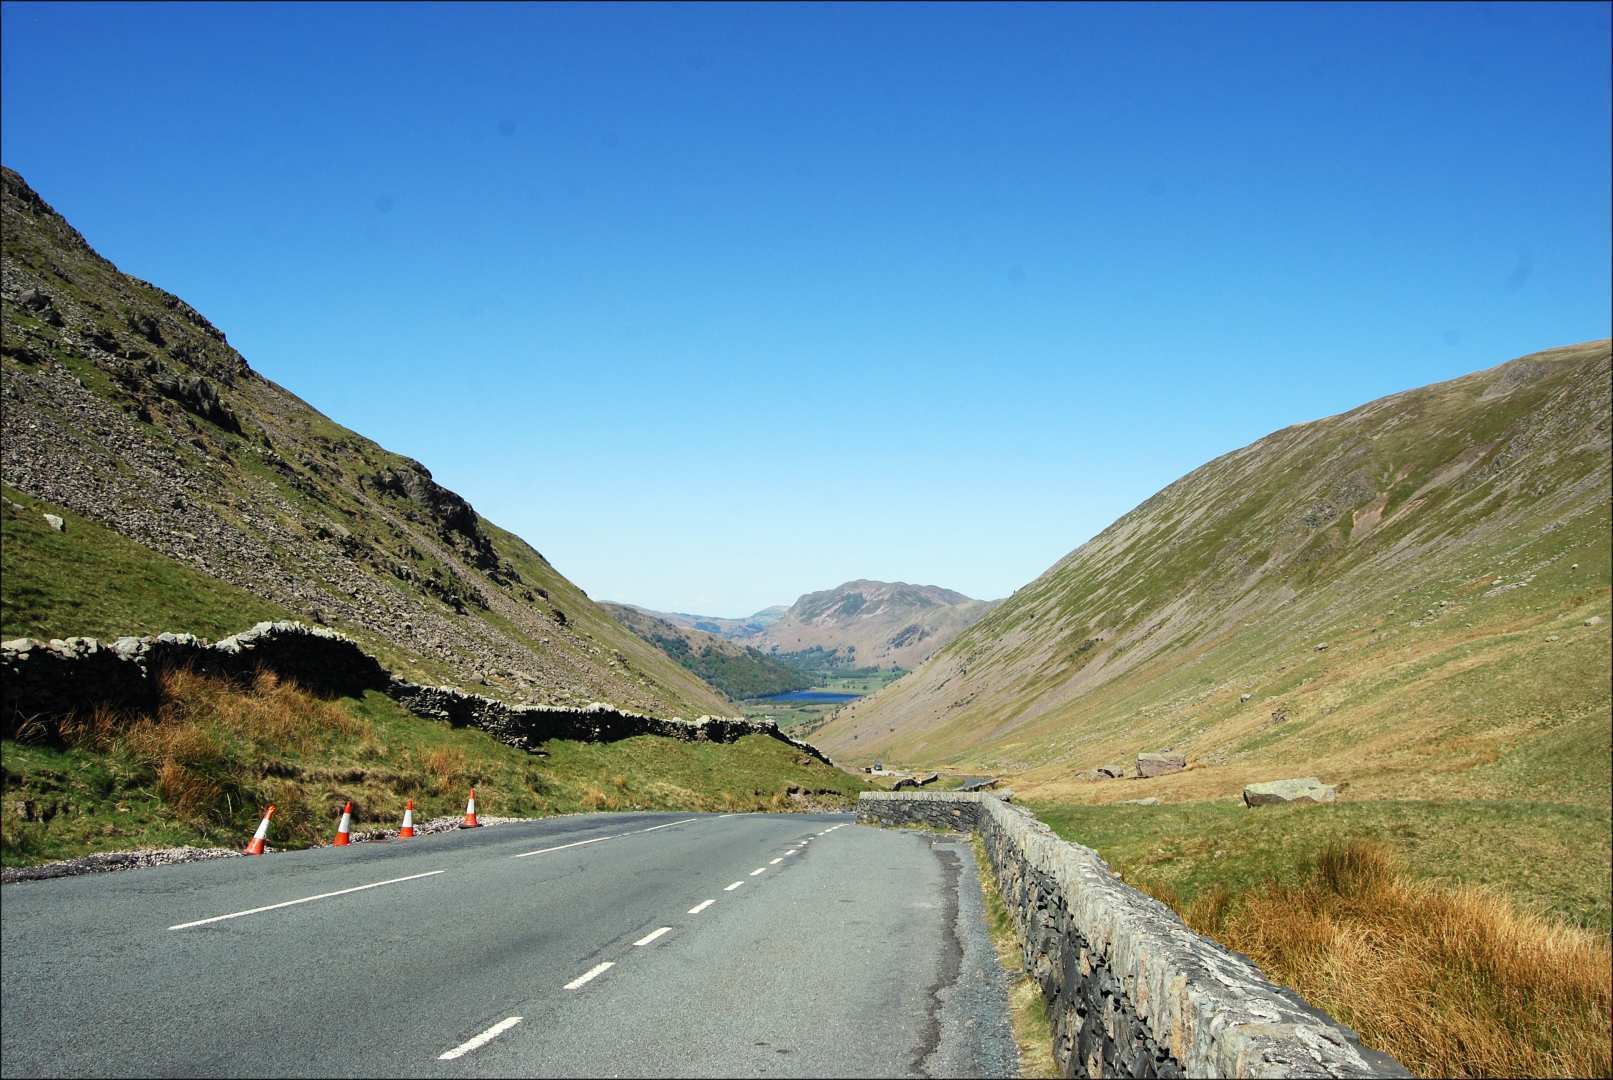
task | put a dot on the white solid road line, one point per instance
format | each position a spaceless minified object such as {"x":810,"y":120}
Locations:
{"x":304,"y":900}
{"x":562,"y":847}
{"x":481,"y":1040}
{"x":703,"y":905}
{"x":776,"y":861}
{"x":731,"y":888}
{"x":669,"y":824}
{"x":652,"y":935}
{"x":758,"y":870}
{"x":597,"y":969}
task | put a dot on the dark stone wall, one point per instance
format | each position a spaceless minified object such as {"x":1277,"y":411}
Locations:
{"x":1130,"y":990}
{"x":41,"y":682}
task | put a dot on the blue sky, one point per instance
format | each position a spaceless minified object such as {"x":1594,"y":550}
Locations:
{"x":717,"y":305}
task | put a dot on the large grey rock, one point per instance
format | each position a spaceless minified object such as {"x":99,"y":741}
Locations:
{"x":55,"y":522}
{"x":1112,"y":771}
{"x":1161,"y":763}
{"x":1306,"y":789}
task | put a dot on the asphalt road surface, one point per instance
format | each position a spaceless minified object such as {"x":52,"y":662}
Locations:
{"x":601,"y":945}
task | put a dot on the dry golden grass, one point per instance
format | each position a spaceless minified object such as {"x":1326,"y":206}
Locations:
{"x":1456,"y":983}
{"x":446,"y":766}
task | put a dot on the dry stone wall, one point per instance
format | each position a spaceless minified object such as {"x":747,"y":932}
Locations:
{"x":41,"y":682}
{"x":1131,"y":991}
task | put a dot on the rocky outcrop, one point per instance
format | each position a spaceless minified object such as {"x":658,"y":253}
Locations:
{"x":1131,"y":991}
{"x":1160,"y":764}
{"x":45,"y":681}
{"x":1306,"y":789}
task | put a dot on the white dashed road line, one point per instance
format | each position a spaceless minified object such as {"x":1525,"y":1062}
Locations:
{"x":775,"y":862}
{"x":731,"y":888}
{"x":596,"y":970}
{"x":652,"y":935}
{"x":481,"y":1040}
{"x":303,"y":900}
{"x":703,"y":905}
{"x":758,"y":870}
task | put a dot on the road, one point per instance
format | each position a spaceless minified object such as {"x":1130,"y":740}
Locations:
{"x":599,"y":945}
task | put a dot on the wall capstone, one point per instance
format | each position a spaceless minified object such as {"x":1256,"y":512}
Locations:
{"x":1131,"y":991}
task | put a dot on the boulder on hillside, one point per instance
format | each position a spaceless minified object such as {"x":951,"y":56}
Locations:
{"x":1161,"y":763}
{"x":1306,"y":789}
{"x":1112,"y":771}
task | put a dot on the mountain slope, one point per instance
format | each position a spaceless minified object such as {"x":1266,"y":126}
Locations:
{"x":734,"y":669}
{"x":125,"y":405}
{"x":1397,"y":596}
{"x":888,"y":624}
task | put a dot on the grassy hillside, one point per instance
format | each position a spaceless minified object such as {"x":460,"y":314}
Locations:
{"x":1410,"y":598}
{"x":215,"y":753}
{"x":128,"y":408}
{"x":736,"y":670}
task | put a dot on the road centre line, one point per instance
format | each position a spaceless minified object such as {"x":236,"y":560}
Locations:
{"x":562,"y":847}
{"x":669,"y":824}
{"x":731,"y":888}
{"x":792,"y":851}
{"x":652,"y":935}
{"x":597,"y":969}
{"x":703,"y":905}
{"x":303,"y":900}
{"x":758,"y":870}
{"x":481,"y":1040}
{"x":776,"y":861}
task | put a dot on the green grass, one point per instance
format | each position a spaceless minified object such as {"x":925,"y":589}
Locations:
{"x":92,"y":582}
{"x":1551,"y":858}
{"x":217,"y":754}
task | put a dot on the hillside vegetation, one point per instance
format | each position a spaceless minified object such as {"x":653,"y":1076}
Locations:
{"x":126,"y":407}
{"x":201,"y":769}
{"x":736,"y":670}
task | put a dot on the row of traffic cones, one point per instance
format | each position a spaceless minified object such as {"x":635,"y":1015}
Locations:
{"x":344,"y":828}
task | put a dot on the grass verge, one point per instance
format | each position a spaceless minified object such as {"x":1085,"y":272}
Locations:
{"x":1452,"y":982}
{"x":1027,"y":1008}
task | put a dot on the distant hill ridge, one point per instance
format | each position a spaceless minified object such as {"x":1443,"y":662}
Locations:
{"x":125,"y":405}
{"x":861,"y":623}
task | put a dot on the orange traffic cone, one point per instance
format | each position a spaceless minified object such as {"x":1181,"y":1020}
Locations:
{"x":408,"y":822}
{"x":345,"y":828}
{"x":256,"y":846}
{"x":470,"y":812}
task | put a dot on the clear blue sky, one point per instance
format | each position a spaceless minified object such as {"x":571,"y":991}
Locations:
{"x":717,"y":305}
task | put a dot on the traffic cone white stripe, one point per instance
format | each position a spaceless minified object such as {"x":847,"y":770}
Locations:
{"x":256,"y":846}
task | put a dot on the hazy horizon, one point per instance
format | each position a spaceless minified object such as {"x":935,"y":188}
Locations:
{"x":719,"y":305}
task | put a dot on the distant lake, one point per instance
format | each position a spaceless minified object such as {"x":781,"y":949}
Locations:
{"x":814,"y":696}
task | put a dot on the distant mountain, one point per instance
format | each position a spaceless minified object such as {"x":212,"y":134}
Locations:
{"x":125,"y":405}
{"x":738,"y":670}
{"x":859,"y":624}
{"x":1410,"y":596}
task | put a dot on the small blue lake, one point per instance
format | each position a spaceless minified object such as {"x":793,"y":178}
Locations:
{"x":817,"y":697}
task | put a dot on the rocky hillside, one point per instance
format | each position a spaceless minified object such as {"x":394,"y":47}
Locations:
{"x":1412,"y":593}
{"x":125,"y":408}
{"x":876,"y":623}
{"x":740,"y":671}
